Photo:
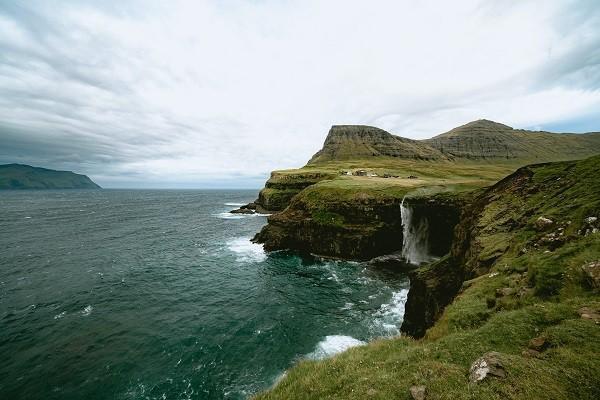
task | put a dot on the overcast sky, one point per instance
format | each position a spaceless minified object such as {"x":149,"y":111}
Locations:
{"x":219,"y":93}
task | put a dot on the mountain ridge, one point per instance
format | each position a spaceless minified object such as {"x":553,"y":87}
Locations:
{"x":477,"y":140}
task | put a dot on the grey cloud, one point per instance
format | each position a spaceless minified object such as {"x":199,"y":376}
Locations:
{"x":142,"y":92}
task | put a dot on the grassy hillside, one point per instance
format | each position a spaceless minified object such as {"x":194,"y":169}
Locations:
{"x":528,"y":297}
{"x":350,"y":142}
{"x":17,"y":176}
{"x":477,"y":140}
{"x":490,"y":140}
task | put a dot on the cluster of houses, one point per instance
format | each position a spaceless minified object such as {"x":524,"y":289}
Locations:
{"x":364,"y":172}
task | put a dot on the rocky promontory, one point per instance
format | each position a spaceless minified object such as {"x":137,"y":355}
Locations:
{"x":19,"y":177}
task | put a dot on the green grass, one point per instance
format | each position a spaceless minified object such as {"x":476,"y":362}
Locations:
{"x":545,"y":290}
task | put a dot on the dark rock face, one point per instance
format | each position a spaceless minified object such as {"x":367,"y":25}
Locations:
{"x":371,"y":228}
{"x":431,"y":289}
{"x":434,"y":286}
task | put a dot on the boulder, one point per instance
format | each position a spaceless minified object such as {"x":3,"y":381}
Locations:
{"x":418,"y":392}
{"x":507,"y":291}
{"x":487,"y":365}
{"x":543,"y":223}
{"x":589,"y":313}
{"x":591,"y":272}
{"x":539,"y":344}
{"x":530,"y":353}
{"x":394,"y":260}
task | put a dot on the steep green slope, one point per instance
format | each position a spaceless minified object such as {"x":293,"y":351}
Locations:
{"x":529,"y":248}
{"x":490,"y":140}
{"x":18,"y":176}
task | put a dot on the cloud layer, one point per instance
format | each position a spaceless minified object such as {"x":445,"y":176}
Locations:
{"x":218,"y":93}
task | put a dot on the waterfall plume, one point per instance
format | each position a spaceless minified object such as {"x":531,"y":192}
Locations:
{"x":415,"y":237}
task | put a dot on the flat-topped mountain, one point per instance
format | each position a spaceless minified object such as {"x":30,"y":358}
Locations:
{"x":479,"y":140}
{"x":19,"y":176}
{"x":345,"y":142}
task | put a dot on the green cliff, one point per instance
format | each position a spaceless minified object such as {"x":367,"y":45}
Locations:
{"x":18,"y":176}
{"x":512,"y":311}
{"x":341,"y":203}
{"x":516,"y":284}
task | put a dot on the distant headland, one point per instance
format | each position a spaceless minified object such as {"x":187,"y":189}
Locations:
{"x":20,"y":176}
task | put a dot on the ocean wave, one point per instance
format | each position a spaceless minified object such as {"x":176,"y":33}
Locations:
{"x":228,"y":215}
{"x":389,"y":316}
{"x":235,"y":204}
{"x":87,"y":311}
{"x":60,"y":315}
{"x":333,"y":344}
{"x":246,"y":251}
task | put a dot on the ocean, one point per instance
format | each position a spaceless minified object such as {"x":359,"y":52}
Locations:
{"x":159,"y":294}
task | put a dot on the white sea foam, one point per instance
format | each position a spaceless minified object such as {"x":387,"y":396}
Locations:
{"x":60,"y":315}
{"x":235,"y":204}
{"x":246,"y":251}
{"x":228,"y":215}
{"x":389,"y":316}
{"x":87,"y":311}
{"x":333,"y":344}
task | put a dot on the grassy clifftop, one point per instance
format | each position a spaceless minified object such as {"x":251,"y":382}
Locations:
{"x":529,"y":249}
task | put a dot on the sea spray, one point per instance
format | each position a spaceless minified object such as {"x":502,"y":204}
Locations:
{"x":415,"y":236}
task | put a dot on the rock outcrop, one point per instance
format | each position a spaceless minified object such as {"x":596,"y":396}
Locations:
{"x":362,"y":227}
{"x":489,"y":364}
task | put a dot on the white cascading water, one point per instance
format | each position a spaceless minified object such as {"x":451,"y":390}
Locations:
{"x":415,"y":237}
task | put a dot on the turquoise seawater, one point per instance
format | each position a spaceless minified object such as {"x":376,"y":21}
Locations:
{"x":141,"y":294}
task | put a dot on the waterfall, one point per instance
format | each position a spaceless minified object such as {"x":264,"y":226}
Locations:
{"x":415,"y":240}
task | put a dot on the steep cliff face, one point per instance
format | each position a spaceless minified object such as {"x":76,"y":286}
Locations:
{"x":359,"y":226}
{"x":502,"y":225}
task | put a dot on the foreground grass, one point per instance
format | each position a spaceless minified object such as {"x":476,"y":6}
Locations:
{"x":534,"y":288}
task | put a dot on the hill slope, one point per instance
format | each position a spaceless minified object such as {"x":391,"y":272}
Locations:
{"x":531,"y":295}
{"x":485,"y":139}
{"x":477,"y":140}
{"x":19,"y":176}
{"x":346,"y":142}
